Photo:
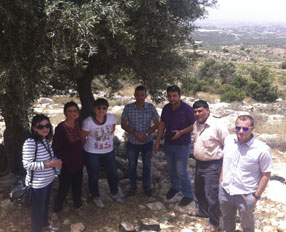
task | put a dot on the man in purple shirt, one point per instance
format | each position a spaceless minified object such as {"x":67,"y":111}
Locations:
{"x":177,"y":119}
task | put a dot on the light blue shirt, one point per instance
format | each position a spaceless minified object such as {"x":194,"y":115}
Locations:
{"x":139,"y":119}
{"x":243,"y":165}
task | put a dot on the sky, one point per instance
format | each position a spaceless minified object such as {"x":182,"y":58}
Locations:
{"x":248,"y":11}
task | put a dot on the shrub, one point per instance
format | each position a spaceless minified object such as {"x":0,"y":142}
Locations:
{"x":231,"y":93}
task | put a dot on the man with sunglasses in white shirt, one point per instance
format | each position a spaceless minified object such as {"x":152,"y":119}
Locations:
{"x":247,"y":166}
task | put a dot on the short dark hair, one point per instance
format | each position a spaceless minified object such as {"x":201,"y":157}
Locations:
{"x":70,"y":104}
{"x":245,"y":118}
{"x":37,"y":119}
{"x":101,"y":102}
{"x":140,"y":88}
{"x":200,"y":103}
{"x":174,"y":88}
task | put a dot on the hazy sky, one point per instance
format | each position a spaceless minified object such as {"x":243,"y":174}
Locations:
{"x":249,"y":11}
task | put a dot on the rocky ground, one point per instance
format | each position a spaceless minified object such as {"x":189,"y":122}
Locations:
{"x":270,"y":211}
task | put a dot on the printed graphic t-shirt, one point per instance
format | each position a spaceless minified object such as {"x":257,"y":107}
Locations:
{"x":99,"y":139}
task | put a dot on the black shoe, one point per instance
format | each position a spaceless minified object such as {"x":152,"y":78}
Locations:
{"x":131,"y":193}
{"x":148,"y":192}
{"x":171,"y":193}
{"x":185,"y":201}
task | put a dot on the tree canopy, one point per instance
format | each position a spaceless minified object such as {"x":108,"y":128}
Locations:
{"x":57,"y":45}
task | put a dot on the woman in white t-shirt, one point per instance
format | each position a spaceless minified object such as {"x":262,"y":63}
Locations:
{"x":97,"y":136}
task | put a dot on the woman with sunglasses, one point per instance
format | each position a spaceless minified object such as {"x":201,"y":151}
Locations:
{"x":97,"y":136}
{"x":67,"y":146}
{"x":38,"y":160}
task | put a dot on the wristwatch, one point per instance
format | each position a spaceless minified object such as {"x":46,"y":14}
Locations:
{"x":256,"y":197}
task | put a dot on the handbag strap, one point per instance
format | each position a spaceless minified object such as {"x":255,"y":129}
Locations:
{"x":32,"y":171}
{"x":47,"y":148}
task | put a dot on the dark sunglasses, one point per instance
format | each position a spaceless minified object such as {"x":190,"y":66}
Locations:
{"x":238,"y":128}
{"x":41,"y":127}
{"x":101,"y":107}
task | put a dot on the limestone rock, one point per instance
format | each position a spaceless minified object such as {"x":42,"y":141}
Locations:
{"x":126,"y":227}
{"x":77,"y":227}
{"x":156,"y":206}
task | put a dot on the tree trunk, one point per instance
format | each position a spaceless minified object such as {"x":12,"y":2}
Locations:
{"x":85,"y":93}
{"x":15,"y":132}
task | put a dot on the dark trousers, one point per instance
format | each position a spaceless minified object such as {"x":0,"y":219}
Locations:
{"x":67,"y":180}
{"x":93,"y":163}
{"x":40,"y":208}
{"x":207,"y":189}
{"x":133,"y":153}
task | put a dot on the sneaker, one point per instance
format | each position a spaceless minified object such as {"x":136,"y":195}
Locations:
{"x":185,"y":201}
{"x":51,"y":227}
{"x":117,"y":197}
{"x":132,"y":192}
{"x":148,"y":192}
{"x":171,"y":193}
{"x":98,"y":202}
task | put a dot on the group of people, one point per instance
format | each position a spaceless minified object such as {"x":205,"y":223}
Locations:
{"x":231,"y":172}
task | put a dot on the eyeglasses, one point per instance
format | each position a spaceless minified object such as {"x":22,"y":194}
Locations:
{"x":101,"y":108}
{"x":41,"y":127}
{"x":238,"y":128}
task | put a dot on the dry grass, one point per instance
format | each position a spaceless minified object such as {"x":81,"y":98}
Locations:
{"x":210,"y":98}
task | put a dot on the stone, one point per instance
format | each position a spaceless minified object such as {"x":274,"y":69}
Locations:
{"x":44,"y":100}
{"x":282,"y":226}
{"x":268,"y":229}
{"x":126,"y":227}
{"x":77,"y":227}
{"x":156,"y":206}
{"x":149,"y":224}
{"x":67,"y":221}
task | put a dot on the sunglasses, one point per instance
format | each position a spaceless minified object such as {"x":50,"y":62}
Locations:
{"x":101,"y":108}
{"x":41,"y":127}
{"x":238,"y":128}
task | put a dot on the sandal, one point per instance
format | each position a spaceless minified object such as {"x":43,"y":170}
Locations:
{"x":196,"y":213}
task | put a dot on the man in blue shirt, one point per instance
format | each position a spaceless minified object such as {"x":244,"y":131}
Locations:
{"x":136,"y":120}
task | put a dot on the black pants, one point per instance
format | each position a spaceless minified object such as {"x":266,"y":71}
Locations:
{"x":207,"y":189}
{"x":67,"y":180}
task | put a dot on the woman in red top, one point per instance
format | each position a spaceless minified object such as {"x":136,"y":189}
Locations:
{"x":67,"y":146}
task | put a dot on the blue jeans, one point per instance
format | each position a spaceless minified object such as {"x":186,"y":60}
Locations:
{"x":177,"y":158}
{"x":133,"y":153}
{"x":93,"y":162}
{"x":40,"y":208}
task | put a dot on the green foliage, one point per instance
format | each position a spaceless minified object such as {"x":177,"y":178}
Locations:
{"x":240,"y":82}
{"x":211,"y":70}
{"x":191,"y":85}
{"x":22,"y":27}
{"x":260,"y":88}
{"x":231,"y":93}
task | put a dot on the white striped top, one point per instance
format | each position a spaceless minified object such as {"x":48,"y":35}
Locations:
{"x":42,"y":176}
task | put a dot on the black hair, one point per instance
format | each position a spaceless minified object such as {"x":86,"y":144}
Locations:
{"x":174,"y":88}
{"x":37,"y":119}
{"x":200,"y":103}
{"x":100,"y":102}
{"x":140,"y":88}
{"x":70,"y":104}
